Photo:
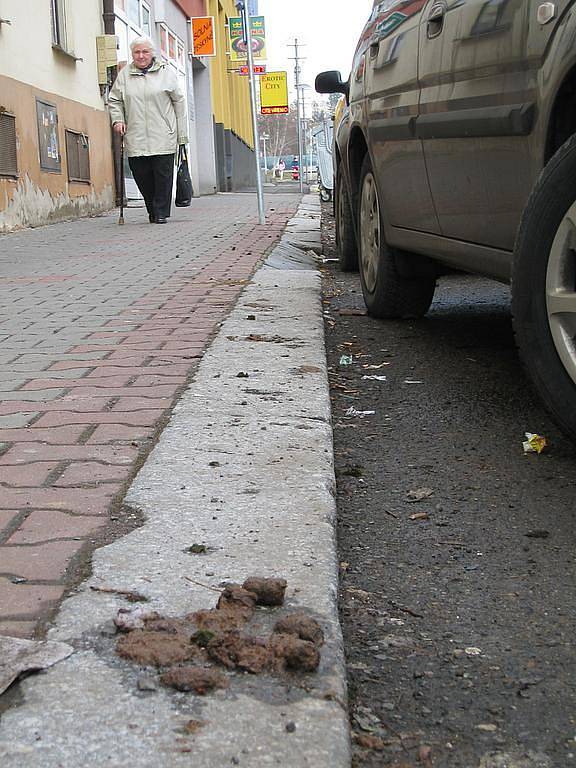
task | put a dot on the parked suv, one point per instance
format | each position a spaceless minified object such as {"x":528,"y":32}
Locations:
{"x":457,"y":150}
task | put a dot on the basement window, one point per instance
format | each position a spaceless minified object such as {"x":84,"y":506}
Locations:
{"x":8,"y":153}
{"x":78,"y":156}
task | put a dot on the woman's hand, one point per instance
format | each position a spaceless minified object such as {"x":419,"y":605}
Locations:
{"x":120,"y":128}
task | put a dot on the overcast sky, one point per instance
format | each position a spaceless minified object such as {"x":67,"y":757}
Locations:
{"x":327,"y":29}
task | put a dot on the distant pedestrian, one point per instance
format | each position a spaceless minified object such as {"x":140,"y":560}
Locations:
{"x":281,"y":169}
{"x":148,"y":109}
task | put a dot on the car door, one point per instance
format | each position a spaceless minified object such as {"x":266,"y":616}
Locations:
{"x":390,"y":73}
{"x":477,"y":109}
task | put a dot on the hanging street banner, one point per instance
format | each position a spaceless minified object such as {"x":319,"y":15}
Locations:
{"x":274,"y":93}
{"x":203,"y":38}
{"x":237,"y":47}
{"x":259,"y":69}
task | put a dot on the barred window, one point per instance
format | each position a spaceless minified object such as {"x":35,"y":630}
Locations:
{"x":8,"y":155}
{"x":78,"y":156}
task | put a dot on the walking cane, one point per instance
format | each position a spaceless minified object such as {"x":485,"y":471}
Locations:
{"x":121,"y":217}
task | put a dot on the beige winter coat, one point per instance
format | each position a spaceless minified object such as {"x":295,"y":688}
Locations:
{"x":153,"y":108}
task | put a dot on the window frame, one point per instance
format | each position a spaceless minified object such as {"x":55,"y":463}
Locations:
{"x":84,"y":139}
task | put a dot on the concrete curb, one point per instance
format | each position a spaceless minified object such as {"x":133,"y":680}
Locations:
{"x":244,"y":467}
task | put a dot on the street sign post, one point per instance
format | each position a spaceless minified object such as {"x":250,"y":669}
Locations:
{"x":247,"y":26}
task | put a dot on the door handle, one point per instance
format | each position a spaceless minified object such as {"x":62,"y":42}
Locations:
{"x":435,"y":22}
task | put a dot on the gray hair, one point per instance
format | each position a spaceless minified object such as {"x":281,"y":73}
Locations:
{"x":143,"y":40}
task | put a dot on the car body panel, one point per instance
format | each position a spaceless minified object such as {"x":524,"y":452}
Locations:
{"x":392,"y":94}
{"x":457,"y":126}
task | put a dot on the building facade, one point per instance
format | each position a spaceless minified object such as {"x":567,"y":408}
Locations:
{"x":167,"y":22}
{"x":55,"y":159}
{"x":233,"y":135}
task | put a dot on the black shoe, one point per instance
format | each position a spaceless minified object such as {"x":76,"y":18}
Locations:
{"x":160,"y":220}
{"x":151,"y":218}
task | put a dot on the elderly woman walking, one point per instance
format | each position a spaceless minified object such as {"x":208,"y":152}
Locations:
{"x":148,"y":109}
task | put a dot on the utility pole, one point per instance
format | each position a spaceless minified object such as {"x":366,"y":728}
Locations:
{"x":242,"y":7}
{"x":296,"y":59}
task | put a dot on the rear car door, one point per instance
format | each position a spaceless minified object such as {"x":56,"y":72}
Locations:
{"x":477,"y":109}
{"x":390,"y":70}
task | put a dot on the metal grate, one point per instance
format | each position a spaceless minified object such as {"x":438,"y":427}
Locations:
{"x":8,"y":154}
{"x":78,"y":156}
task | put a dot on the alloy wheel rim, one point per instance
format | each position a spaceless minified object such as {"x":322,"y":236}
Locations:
{"x":369,"y":232}
{"x":561,"y":291}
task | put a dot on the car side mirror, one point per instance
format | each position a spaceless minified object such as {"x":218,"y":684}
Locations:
{"x":331,"y":82}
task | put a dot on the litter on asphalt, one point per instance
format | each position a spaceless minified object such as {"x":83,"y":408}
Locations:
{"x":534,"y":443}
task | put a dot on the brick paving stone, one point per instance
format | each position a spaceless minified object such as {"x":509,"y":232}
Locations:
{"x":46,"y":525}
{"x":6,"y":516}
{"x":37,"y":396}
{"x":160,"y":369}
{"x":108,"y":381}
{"x":21,"y":629}
{"x":161,"y":390}
{"x":55,"y":436}
{"x":141,"y":404}
{"x":118,"y":433}
{"x":152,"y":380}
{"x":110,"y":454}
{"x":84,"y":501}
{"x":32,"y":474}
{"x":136,"y":346}
{"x":38,"y":562}
{"x":17,"y":419}
{"x":75,"y":474}
{"x":134,"y":418}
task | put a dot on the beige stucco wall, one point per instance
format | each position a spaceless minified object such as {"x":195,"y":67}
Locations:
{"x":30,"y":69}
{"x":39,"y":197}
{"x":26,"y":52}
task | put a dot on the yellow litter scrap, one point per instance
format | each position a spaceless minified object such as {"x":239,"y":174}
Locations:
{"x":534,"y":443}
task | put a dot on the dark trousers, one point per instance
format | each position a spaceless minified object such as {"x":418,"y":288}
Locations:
{"x":153,"y":176}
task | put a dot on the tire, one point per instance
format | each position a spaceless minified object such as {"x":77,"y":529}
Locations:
{"x":544,"y":287}
{"x":345,"y":236}
{"x":325,"y":195}
{"x":387,"y":294}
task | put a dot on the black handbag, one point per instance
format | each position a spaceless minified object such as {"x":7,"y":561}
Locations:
{"x":184,"y":190}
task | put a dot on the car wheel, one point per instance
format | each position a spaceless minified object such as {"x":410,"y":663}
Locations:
{"x":345,"y":237}
{"x":544,"y":287}
{"x":387,"y":294}
{"x":325,"y":195}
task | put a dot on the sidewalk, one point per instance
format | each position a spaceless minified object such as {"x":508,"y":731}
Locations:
{"x":107,"y":327}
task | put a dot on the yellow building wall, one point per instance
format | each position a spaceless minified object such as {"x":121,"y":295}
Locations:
{"x":230,"y":91}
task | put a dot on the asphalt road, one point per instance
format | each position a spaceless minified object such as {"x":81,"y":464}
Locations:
{"x":458,"y":608}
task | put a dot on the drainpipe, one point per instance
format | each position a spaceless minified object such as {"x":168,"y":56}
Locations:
{"x":109,"y":18}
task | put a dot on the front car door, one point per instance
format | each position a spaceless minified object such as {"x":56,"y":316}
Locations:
{"x":477,"y":109}
{"x":390,"y":72}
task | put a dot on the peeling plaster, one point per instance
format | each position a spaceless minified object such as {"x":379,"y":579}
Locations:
{"x":31,"y":206}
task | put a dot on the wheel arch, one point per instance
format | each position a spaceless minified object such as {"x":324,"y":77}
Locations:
{"x":562,"y":117}
{"x":357,"y":151}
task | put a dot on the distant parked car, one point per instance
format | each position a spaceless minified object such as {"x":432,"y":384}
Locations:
{"x":457,"y":150}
